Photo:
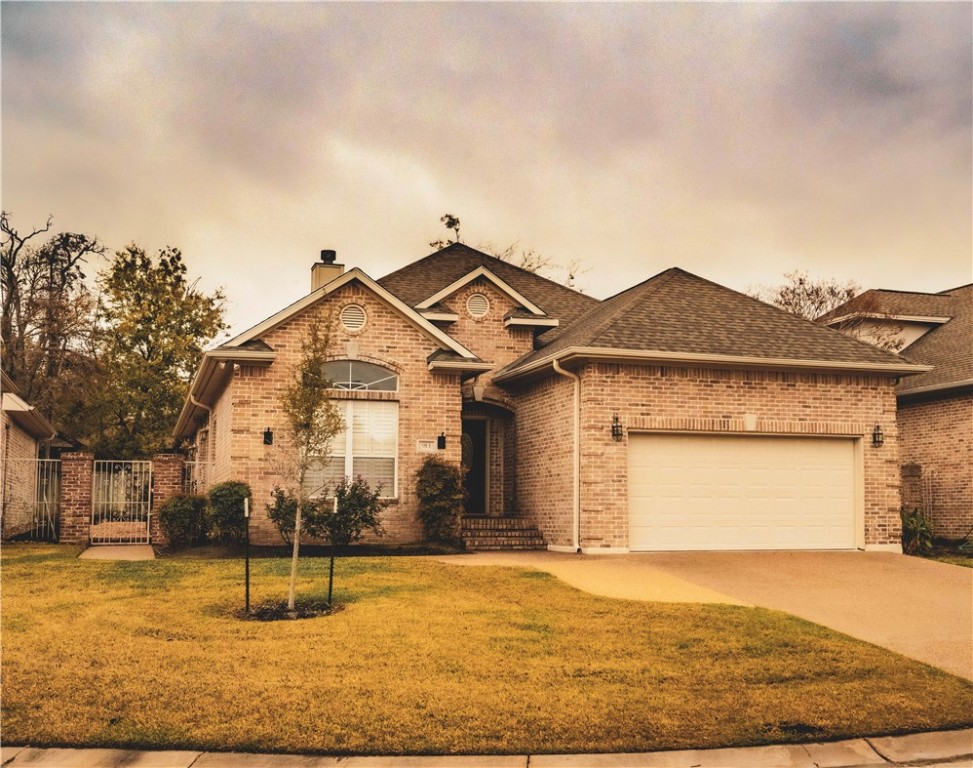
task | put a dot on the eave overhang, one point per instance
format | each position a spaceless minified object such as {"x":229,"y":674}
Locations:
{"x":936,"y":389}
{"x":214,"y":371}
{"x":533,"y":322}
{"x":576,"y":356}
{"x":461,"y":366}
{"x":925,"y":319}
{"x":27,"y":417}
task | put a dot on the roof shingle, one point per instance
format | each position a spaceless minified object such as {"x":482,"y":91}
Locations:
{"x":678,"y":312}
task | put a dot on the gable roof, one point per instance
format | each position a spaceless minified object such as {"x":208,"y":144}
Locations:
{"x":424,"y":279}
{"x":249,"y":348}
{"x":359,"y":276}
{"x":949,"y":348}
{"x":677,"y":316}
{"x":895,"y":305}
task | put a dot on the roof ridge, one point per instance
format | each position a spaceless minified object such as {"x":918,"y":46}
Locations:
{"x":612,"y":318}
{"x":648,"y":287}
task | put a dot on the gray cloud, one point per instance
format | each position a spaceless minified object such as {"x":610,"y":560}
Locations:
{"x":734,"y":139}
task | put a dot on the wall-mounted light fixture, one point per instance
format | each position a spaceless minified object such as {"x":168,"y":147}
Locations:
{"x":268,"y":436}
{"x":878,"y":437}
{"x":441,"y":441}
{"x":617,"y":431}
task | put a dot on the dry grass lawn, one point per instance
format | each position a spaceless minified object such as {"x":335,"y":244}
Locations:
{"x":425,"y":658}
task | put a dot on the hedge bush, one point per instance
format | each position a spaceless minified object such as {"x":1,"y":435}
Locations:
{"x":439,"y":486}
{"x":227,"y":523}
{"x":185,"y":520}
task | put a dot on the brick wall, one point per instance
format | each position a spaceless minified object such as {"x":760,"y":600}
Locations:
{"x":487,"y":336}
{"x":936,"y":438}
{"x":18,"y":450}
{"x":654,"y":398}
{"x":166,"y":483}
{"x":544,"y":448}
{"x":429,"y":404}
{"x":76,"y":480}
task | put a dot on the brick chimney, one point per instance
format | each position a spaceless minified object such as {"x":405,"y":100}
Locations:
{"x":324,"y":271}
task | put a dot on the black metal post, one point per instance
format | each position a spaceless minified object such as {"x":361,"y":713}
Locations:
{"x":246,"y":515}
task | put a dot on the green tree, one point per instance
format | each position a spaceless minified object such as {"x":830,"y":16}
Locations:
{"x":313,"y":421}
{"x":155,"y":324}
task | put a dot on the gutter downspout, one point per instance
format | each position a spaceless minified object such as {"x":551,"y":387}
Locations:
{"x":209,"y":411}
{"x":576,"y":505}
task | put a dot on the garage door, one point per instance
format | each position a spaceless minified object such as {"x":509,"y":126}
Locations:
{"x":740,"y":492}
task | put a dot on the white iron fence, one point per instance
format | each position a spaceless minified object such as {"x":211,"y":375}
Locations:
{"x":121,"y":502}
{"x":31,"y":499}
{"x":196,"y":477}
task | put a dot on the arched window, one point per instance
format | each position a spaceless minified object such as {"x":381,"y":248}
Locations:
{"x":358,"y":375}
{"x":369,"y":443}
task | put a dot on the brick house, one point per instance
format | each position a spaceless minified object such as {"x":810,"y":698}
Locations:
{"x":935,"y":408}
{"x":676,"y":415}
{"x":24,"y":432}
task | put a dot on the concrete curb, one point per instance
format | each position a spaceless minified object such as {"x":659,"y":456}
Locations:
{"x":936,"y":749}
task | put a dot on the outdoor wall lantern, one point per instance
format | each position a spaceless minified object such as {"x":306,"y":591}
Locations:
{"x":616,"y":428}
{"x":878,"y":437}
{"x":441,"y":441}
{"x":268,"y":436}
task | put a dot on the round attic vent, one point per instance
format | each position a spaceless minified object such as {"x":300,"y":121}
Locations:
{"x":352,"y":318}
{"x":477,"y":305}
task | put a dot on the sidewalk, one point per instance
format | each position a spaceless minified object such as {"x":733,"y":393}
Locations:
{"x":934,"y":750}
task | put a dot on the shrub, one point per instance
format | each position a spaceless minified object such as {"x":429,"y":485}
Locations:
{"x":184,"y":520}
{"x":439,"y":486}
{"x":226,"y":511}
{"x":283,"y":510}
{"x":357,"y":510}
{"x":917,"y":533}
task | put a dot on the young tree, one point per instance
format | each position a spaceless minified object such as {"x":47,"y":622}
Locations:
{"x":313,"y":421}
{"x":155,"y":324}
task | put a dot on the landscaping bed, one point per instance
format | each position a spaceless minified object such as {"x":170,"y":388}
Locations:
{"x":424,"y":658}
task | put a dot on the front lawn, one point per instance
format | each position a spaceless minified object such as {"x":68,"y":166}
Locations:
{"x":425,"y":658}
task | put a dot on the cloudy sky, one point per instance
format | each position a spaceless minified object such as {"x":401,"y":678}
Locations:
{"x":738,"y":141}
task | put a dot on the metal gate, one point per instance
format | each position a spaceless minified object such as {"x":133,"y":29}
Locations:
{"x":31,"y":499}
{"x":121,"y":502}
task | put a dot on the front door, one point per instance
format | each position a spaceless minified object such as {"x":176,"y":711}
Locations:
{"x":475,"y":464}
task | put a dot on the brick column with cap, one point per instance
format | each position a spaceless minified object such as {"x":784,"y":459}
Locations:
{"x":167,"y":471}
{"x":77,"y":470}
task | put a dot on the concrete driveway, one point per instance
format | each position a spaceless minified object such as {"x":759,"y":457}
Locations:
{"x":919,"y":608}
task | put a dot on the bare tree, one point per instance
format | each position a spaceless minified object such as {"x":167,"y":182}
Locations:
{"x":817,"y":300}
{"x":807,"y":297}
{"x":48,"y":323}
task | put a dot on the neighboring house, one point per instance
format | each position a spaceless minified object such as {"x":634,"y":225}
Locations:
{"x":935,"y":408}
{"x":23,"y":435}
{"x":678,"y":414}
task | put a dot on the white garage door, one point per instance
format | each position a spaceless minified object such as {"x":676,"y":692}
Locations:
{"x":740,"y":492}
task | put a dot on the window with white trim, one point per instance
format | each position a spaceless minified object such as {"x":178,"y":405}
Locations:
{"x":368,"y":445}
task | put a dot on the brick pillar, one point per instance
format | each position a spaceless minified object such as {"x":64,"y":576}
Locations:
{"x":77,"y":470}
{"x":166,"y":483}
